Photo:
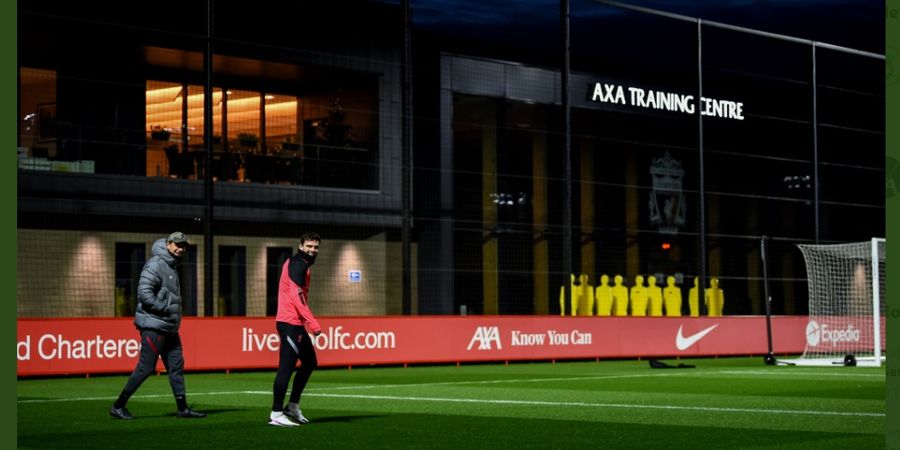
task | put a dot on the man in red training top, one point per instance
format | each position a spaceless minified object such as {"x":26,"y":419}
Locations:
{"x":293,"y":320}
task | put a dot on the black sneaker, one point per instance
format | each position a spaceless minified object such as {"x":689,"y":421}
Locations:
{"x":190,"y":414}
{"x":120,"y":413}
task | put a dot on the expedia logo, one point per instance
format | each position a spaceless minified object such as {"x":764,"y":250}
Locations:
{"x":486,"y":337}
{"x":816,"y":334}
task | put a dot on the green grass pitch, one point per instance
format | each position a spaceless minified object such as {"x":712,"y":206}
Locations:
{"x":722,"y":403}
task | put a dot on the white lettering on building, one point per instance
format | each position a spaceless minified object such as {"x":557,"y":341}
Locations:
{"x":666,"y":101}
{"x":608,"y":93}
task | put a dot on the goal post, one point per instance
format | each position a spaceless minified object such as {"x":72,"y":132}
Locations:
{"x":846,"y":304}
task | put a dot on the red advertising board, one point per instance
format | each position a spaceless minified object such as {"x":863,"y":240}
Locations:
{"x":83,"y":346}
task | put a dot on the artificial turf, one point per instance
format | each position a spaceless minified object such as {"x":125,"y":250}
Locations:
{"x":721,"y":403}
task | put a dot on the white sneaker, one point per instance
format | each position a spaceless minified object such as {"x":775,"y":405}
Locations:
{"x":281,"y":420}
{"x":295,"y":415}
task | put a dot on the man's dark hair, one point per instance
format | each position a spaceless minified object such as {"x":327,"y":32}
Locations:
{"x":310,"y":237}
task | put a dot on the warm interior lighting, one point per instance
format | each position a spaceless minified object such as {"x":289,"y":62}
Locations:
{"x":273,"y":111}
{"x":162,"y":95}
{"x":165,"y":102}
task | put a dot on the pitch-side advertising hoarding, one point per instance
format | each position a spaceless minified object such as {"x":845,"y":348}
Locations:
{"x":84,"y":346}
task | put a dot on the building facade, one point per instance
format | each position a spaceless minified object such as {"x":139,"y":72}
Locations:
{"x":245,"y":127}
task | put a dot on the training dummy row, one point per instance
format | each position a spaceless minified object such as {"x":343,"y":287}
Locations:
{"x":639,"y":300}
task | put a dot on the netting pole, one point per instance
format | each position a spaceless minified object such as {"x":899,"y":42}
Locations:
{"x":406,"y":163}
{"x":207,"y":167}
{"x":567,"y":250}
{"x":701,"y":209}
{"x":815,"y":136}
{"x":770,"y":357}
{"x":876,"y":299}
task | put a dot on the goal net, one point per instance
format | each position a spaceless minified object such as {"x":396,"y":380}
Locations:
{"x":846,"y":304}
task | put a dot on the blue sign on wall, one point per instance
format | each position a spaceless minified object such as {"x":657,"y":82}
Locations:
{"x":355,"y":276}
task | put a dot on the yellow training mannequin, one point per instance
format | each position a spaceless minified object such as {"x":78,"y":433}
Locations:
{"x":639,"y":297}
{"x":714,"y":298}
{"x":576,"y":291}
{"x":585,"y":297}
{"x":654,"y":296}
{"x":576,"y":295}
{"x":693,"y":299}
{"x":620,"y":296}
{"x":672,"y":296}
{"x":604,"y":297}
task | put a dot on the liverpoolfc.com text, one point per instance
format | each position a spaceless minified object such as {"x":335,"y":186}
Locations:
{"x":334,"y":338}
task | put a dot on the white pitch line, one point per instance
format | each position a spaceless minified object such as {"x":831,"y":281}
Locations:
{"x":500,"y":402}
{"x":364,"y":386}
{"x":88,"y":399}
{"x":810,"y":374}
{"x":515,"y":380}
{"x":598,"y":405}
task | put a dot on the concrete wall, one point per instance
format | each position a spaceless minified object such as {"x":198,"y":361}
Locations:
{"x":72,"y":273}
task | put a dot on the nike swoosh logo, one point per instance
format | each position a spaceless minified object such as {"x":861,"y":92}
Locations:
{"x":683,"y":343}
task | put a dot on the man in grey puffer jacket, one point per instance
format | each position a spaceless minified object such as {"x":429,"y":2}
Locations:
{"x":158,"y":318}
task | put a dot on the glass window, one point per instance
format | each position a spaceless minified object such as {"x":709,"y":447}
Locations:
{"x":275,"y":258}
{"x":189,"y":281}
{"x":281,"y":123}
{"x":37,"y":113}
{"x":195,"y":117}
{"x":163,"y":118}
{"x":130,"y":258}
{"x":232,"y":271}
{"x":328,"y":137}
{"x":242,"y":120}
{"x":340,"y":136}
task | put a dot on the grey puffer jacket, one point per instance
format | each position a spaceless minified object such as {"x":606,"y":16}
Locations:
{"x":159,"y":293}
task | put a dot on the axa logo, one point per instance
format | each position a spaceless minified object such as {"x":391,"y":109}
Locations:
{"x":817,"y":333}
{"x":485,"y":337}
{"x":682,"y":342}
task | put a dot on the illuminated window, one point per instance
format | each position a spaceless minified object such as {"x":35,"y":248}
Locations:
{"x":281,"y":123}
{"x":164,"y":118}
{"x":328,"y":138}
{"x":37,"y":111}
{"x":242,"y":119}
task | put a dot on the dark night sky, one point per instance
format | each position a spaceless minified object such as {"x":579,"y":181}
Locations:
{"x":856,"y":24}
{"x":851,"y":23}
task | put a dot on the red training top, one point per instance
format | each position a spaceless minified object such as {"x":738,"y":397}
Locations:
{"x":293,"y":294}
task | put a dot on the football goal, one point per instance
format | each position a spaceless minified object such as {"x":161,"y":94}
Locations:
{"x":846,"y":304}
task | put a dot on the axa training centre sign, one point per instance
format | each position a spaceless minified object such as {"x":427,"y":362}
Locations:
{"x":616,"y":94}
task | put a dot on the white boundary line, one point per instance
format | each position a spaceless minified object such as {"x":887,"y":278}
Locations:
{"x":318,"y":392}
{"x":90,"y":399}
{"x":811,"y":374}
{"x":600,"y":405}
{"x":598,"y":377}
{"x":457,"y":383}
{"x":362,"y":386}
{"x":504,"y":402}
